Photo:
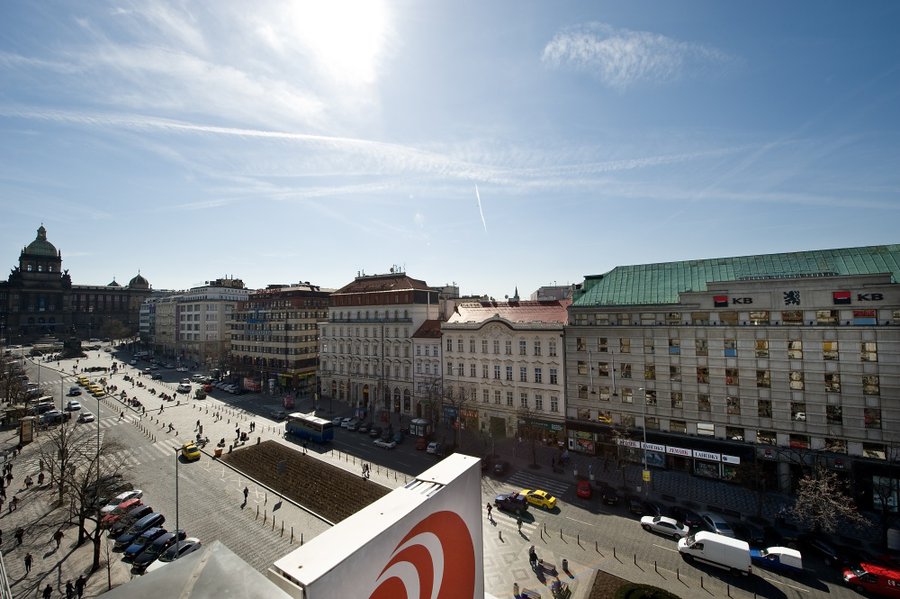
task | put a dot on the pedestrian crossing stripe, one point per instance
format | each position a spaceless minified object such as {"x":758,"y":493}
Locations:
{"x":524,"y":480}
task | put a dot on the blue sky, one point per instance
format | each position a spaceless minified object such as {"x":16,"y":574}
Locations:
{"x":308,"y":141}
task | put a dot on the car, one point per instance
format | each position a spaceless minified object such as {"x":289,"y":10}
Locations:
{"x":686,"y":516}
{"x":639,"y":507}
{"x":375,"y":432}
{"x":511,"y":502}
{"x":831,"y":554}
{"x":539,"y":498}
{"x":198,"y":377}
{"x":148,"y":370}
{"x":345,"y":421}
{"x":119,"y":499}
{"x":156,"y":376}
{"x":386,"y":435}
{"x":121,"y":524}
{"x":132,"y":362}
{"x":665,"y":526}
{"x":336,"y":421}
{"x":119,"y":511}
{"x":501,"y":467}
{"x":279,"y":415}
{"x":717,"y":524}
{"x":168,"y":365}
{"x":86,"y":416}
{"x":754,"y":535}
{"x":583,"y":489}
{"x":608,"y":495}
{"x":182,"y":369}
{"x":385,"y":444}
{"x":363,"y":428}
{"x":74,"y":391}
{"x":142,"y":541}
{"x":183,"y":388}
{"x":53,"y":417}
{"x":174,"y":552}
{"x":154,"y":550}
{"x":190,"y":452}
{"x":353,"y":425}
{"x":73,"y":405}
{"x":151,"y":520}
{"x":421,"y":443}
{"x":434,"y":448}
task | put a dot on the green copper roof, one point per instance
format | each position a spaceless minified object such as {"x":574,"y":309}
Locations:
{"x":661,"y":283}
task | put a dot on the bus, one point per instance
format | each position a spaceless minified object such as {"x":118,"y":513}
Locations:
{"x":308,"y":427}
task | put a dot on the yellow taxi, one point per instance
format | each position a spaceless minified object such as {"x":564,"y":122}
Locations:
{"x":96,"y":390}
{"x":539,"y":498}
{"x":83,"y":381}
{"x":190,"y":452}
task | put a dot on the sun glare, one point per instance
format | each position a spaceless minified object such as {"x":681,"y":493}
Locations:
{"x":345,"y":37}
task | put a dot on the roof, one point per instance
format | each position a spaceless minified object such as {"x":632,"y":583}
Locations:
{"x":430,"y":329}
{"x":139,"y":281}
{"x":662,"y":282}
{"x":547,"y":311}
{"x":40,"y":246}
{"x":388,"y":282}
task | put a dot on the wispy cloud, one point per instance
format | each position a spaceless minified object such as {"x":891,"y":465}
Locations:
{"x":622,"y":58}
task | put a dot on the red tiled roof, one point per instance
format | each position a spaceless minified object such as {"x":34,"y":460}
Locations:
{"x":550,"y":311}
{"x":430,"y":329}
{"x":388,"y":282}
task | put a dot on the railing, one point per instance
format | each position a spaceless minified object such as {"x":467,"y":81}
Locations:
{"x":5,"y":591}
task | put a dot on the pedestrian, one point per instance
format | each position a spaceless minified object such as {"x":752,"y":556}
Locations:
{"x":9,"y":478}
{"x":40,"y":478}
{"x":58,"y":536}
{"x":490,"y":508}
{"x":201,"y":429}
{"x":27,"y":563}
{"x":13,"y":504}
{"x":79,"y":586}
{"x":246,"y":494}
{"x":197,"y":426}
{"x":20,"y":532}
{"x":48,"y":591}
{"x":532,"y":557}
{"x":519,"y":523}
{"x":70,"y":590}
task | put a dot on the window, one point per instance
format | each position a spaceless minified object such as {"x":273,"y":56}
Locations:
{"x":730,"y":348}
{"x":835,"y":445}
{"x":460,"y":369}
{"x":734,"y":433}
{"x":603,"y":369}
{"x":554,"y":378}
{"x":678,"y":426}
{"x":604,"y":394}
{"x":651,"y":422}
{"x":792,"y":317}
{"x":449,"y":368}
{"x":698,"y":318}
{"x":766,"y":437}
{"x":551,"y":350}
{"x":497,"y":371}
{"x":677,"y":400}
{"x":675,"y":373}
{"x":650,"y":397}
{"x":706,"y":429}
{"x":703,"y":374}
{"x":868,"y":351}
{"x":650,"y":372}
{"x":872,"y":417}
{"x":832,"y":382}
{"x":472,"y":370}
{"x":871,"y":385}
{"x":523,"y":399}
{"x":626,"y":371}
{"x":497,"y":397}
{"x":449,"y":344}
{"x":579,"y":344}
{"x":471,"y":346}
{"x":537,"y":376}
{"x":582,"y":367}
{"x":459,"y":345}
{"x":731,"y":376}
{"x":874,"y":451}
{"x":674,"y":346}
{"x":759,"y":317}
{"x":554,"y":403}
{"x":484,"y":371}
{"x":507,"y":347}
{"x":795,"y":349}
{"x":701,"y":347}
{"x":799,"y":441}
{"x":496,"y":347}
{"x":764,"y":408}
{"x":649,"y":347}
{"x":624,"y":346}
{"x":728,"y":318}
{"x":538,"y":402}
{"x":523,"y":347}
{"x":582,"y":392}
{"x":537,"y":348}
{"x":627,"y":420}
{"x":829,"y":350}
{"x":603,"y":345}
{"x":627,"y":395}
{"x":523,"y":374}
{"x":798,"y":411}
{"x":673,"y":317}
{"x":604,"y":416}
{"x":733,"y":405}
{"x":762,"y":348}
{"x":796,"y":380}
{"x":703,"y":402}
{"x":509,"y":398}
{"x":834,"y":414}
{"x":509,"y":373}
{"x":763,"y":379}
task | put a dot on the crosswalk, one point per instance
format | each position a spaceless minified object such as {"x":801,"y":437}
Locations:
{"x":523,"y":479}
{"x":133,"y":457}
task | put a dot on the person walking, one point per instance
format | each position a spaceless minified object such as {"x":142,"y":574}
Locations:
{"x":490,"y":508}
{"x":79,"y":586}
{"x":532,"y":557}
{"x":58,"y":537}
{"x":519,"y":523}
{"x":20,"y":532}
{"x":48,"y":592}
{"x":246,"y":493}
{"x":70,"y":590}
{"x":27,"y":563}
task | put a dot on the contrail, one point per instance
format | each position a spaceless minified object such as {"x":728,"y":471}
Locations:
{"x":480,"y":211}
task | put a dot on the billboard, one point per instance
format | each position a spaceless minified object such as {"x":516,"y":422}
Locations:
{"x":421,"y":540}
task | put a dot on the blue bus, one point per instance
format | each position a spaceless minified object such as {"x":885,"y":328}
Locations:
{"x":307,"y":427}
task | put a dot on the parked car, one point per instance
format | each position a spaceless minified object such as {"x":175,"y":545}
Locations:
{"x":85,"y":416}
{"x":539,"y":498}
{"x":385,"y":444}
{"x":686,"y":516}
{"x":501,"y":467}
{"x":434,"y":448}
{"x":128,"y":537}
{"x":345,"y":422}
{"x":608,"y":495}
{"x":583,"y":489}
{"x":53,"y":417}
{"x":119,"y":527}
{"x":831,"y":554}
{"x":353,"y":425}
{"x":119,"y":499}
{"x":154,"y":550}
{"x":511,"y":502}
{"x":715,"y":523}
{"x":375,"y":432}
{"x":141,"y":542}
{"x":754,"y":535}
{"x":665,"y":526}
{"x":176,"y":551}
{"x":119,"y":511}
{"x":73,"y":405}
{"x":639,"y":507}
{"x":336,"y":421}
{"x":156,"y":376}
{"x":363,"y":428}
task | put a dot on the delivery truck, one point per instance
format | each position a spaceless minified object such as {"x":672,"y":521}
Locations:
{"x":718,"y":550}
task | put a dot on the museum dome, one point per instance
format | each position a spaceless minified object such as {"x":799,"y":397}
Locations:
{"x":40,"y":246}
{"x":139,"y":282}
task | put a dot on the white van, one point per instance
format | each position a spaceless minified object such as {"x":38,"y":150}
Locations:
{"x":718,"y":550}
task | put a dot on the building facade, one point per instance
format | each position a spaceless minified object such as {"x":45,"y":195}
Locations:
{"x":504,"y":368}
{"x":39,"y":299}
{"x":275,"y":341}
{"x":750,"y":369}
{"x":428,"y":373}
{"x":366,"y":345}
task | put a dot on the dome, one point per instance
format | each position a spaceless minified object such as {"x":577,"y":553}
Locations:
{"x":40,"y":246}
{"x":113,"y":284}
{"x":139,"y":282}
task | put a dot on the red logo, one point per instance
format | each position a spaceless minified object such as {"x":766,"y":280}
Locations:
{"x":435,"y":560}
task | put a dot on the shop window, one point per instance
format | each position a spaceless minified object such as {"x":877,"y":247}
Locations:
{"x":703,"y":402}
{"x":872,"y":417}
{"x":795,"y":349}
{"x":763,"y":379}
{"x":701,"y":347}
{"x":652,"y":423}
{"x":871,"y":385}
{"x":796,"y":380}
{"x":868,"y":351}
{"x":649,"y":346}
{"x":799,"y":441}
{"x":626,"y":371}
{"x":832,"y":382}
{"x":602,"y":345}
{"x":674,"y":346}
{"x":835,"y":445}
{"x":703,"y":374}
{"x":678,"y":426}
{"x":700,"y":318}
{"x":829,"y":350}
{"x":649,"y":372}
{"x":825,"y":317}
{"x":733,"y":405}
{"x":764,"y":408}
{"x":798,"y":411}
{"x":627,"y":395}
{"x":766,"y":437}
{"x":734,"y":433}
{"x":706,"y":429}
{"x":834,"y":414}
{"x":792,"y":317}
{"x":625,"y":346}
{"x":874,"y":451}
{"x":730,"y":348}
{"x":731,"y":376}
{"x":762,"y":348}
{"x":759,"y":317}
{"x":650,"y":397}
{"x":677,"y":400}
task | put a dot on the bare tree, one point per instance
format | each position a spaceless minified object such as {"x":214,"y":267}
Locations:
{"x":529,"y":430}
{"x":821,"y":502}
{"x":457,"y":398}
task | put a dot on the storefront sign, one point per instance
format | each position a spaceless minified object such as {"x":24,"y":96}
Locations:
{"x":654,"y":447}
{"x":583,"y":435}
{"x":629,"y":443}
{"x":730,"y":459}
{"x":678,"y":451}
{"x":706,"y":455}
{"x":584,"y":445}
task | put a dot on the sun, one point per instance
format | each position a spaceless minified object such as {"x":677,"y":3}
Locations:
{"x":345,"y":38}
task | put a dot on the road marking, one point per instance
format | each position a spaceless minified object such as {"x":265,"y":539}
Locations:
{"x":786,"y":584}
{"x":666,"y":548}
{"x":579,"y":521}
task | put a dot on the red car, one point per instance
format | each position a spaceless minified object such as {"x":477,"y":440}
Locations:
{"x":583,"y":489}
{"x":121,"y":509}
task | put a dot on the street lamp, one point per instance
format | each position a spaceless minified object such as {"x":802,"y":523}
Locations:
{"x":177,"y":527}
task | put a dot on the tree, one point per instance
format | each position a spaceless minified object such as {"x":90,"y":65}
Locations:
{"x":457,"y":398}
{"x":886,"y":491}
{"x":528,"y":429}
{"x":821,"y":502}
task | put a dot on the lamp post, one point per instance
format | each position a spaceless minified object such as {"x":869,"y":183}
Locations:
{"x":645,"y":474}
{"x":177,"y":527}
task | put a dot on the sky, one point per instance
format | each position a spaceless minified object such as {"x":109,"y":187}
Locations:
{"x":496,"y":145}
